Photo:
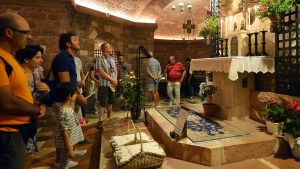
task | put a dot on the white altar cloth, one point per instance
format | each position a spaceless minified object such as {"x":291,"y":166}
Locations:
{"x":233,"y":65}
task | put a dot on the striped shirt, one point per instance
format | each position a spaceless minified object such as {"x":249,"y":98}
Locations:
{"x":108,"y":66}
{"x":66,"y":119}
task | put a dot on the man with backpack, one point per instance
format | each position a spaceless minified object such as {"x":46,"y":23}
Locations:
{"x":16,"y":101}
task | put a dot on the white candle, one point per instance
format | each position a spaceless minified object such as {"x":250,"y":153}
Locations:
{"x":255,"y":8}
{"x":230,"y":24}
{"x":221,"y":27}
{"x":226,"y":27}
{"x":249,"y":18}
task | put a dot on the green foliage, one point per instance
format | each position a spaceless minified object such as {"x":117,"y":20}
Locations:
{"x":132,"y":91}
{"x":208,"y":26}
{"x":274,"y":112}
{"x":206,"y":90}
{"x":292,"y":123}
{"x":273,"y":8}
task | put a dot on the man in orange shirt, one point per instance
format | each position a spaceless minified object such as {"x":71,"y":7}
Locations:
{"x":16,"y":102}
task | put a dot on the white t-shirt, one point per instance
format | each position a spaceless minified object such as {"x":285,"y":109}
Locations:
{"x":78,"y":65}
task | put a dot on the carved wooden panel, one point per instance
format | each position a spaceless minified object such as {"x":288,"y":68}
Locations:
{"x":234,"y":46}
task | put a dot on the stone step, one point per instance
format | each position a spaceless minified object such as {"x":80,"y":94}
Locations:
{"x":257,"y":144}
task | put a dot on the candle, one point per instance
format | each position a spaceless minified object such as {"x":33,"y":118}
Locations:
{"x":249,"y":19}
{"x":230,"y":24}
{"x":221,"y":27}
{"x":226,"y":27}
{"x":255,"y":9}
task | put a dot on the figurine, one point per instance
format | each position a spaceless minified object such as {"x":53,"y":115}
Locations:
{"x":243,"y":25}
{"x":234,"y":26}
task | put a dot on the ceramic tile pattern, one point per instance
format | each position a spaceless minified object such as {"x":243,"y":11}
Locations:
{"x":46,"y":156}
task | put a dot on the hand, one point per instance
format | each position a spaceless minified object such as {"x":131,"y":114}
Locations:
{"x":155,"y":78}
{"x":114,"y":82}
{"x":81,"y":100}
{"x":81,"y":83}
{"x":41,"y":114}
{"x":41,"y":87}
{"x":71,"y":153}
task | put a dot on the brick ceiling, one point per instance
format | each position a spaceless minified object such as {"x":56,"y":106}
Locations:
{"x":169,"y":22}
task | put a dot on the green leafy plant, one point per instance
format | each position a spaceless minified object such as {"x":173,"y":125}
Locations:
{"x":207,"y":90}
{"x":132,"y":91}
{"x":292,"y":123}
{"x":208,"y":26}
{"x":273,"y":8}
{"x":274,"y":111}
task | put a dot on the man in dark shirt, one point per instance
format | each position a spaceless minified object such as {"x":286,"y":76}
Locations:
{"x":63,"y":65}
{"x":64,"y":70}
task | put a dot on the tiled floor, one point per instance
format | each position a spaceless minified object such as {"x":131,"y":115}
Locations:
{"x":46,"y":156}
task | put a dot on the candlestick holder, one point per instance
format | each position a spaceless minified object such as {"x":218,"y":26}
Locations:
{"x":256,"y":44}
{"x":226,"y":47}
{"x":263,"y":43}
{"x":221,"y":43}
{"x":249,"y":44}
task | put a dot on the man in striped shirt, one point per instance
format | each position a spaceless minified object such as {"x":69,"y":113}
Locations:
{"x":107,"y":82}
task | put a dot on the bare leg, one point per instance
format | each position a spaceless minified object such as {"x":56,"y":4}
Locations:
{"x":109,"y":110}
{"x":156,"y":94}
{"x":153,"y":96}
{"x":100,"y":112}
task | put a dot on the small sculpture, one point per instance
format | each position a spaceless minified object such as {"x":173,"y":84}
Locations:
{"x":234,"y":26}
{"x":243,"y":25}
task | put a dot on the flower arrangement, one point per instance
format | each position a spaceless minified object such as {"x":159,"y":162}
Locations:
{"x":292,"y":123}
{"x":274,"y":111}
{"x":132,"y":91}
{"x":208,"y":26}
{"x":207,"y":90}
{"x":273,"y":8}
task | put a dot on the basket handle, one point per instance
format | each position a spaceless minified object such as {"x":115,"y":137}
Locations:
{"x":140,"y":139}
{"x":134,"y":130}
{"x":128,"y":124}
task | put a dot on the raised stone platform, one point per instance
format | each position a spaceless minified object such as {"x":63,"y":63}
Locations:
{"x":216,"y":152}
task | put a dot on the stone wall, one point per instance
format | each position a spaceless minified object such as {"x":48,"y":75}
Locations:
{"x":49,"y":18}
{"x":258,"y":101}
{"x":163,"y":49}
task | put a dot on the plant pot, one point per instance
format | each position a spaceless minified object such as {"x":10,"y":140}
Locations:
{"x":135,"y":113}
{"x":294,"y":144}
{"x":275,"y":24}
{"x":207,"y":39}
{"x":274,"y":128}
{"x":210,"y":109}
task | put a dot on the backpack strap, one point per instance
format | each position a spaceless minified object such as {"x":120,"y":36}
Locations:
{"x":8,"y":67}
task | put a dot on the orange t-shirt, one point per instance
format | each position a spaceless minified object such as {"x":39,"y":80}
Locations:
{"x":18,"y":86}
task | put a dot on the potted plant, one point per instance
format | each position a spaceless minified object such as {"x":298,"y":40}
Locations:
{"x":132,"y":91}
{"x":275,"y":116}
{"x":292,"y":127}
{"x":273,"y":9}
{"x":208,"y":27}
{"x":206,"y":92}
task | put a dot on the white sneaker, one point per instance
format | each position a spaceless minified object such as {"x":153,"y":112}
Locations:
{"x":69,"y":165}
{"x":78,"y":153}
{"x":72,"y":164}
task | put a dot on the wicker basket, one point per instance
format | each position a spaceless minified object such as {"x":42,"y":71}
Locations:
{"x":143,"y":155}
{"x":129,"y":138}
